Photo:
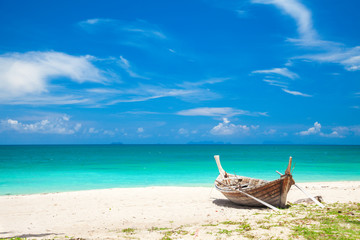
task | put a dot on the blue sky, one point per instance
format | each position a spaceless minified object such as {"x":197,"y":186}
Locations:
{"x":250,"y":71}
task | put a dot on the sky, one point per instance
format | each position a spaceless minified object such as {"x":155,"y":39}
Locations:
{"x":181,"y":71}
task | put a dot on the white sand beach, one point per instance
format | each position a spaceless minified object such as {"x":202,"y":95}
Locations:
{"x":104,"y":214}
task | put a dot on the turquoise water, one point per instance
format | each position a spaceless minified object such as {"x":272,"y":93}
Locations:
{"x":57,"y":168}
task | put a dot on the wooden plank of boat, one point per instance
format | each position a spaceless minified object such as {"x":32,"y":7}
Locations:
{"x":256,"y":199}
{"x":268,"y":193}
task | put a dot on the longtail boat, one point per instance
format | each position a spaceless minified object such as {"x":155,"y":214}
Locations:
{"x":253,"y":192}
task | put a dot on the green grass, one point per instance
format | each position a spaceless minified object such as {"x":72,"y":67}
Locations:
{"x":338,"y":221}
{"x":152,"y":229}
{"x":231,"y":223}
{"x":15,"y":238}
{"x":210,"y":225}
{"x":128,"y":230}
{"x":225,"y":231}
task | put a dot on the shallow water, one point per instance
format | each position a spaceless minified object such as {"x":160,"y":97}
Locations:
{"x":54,"y":168}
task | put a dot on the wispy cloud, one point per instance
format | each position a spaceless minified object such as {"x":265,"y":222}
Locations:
{"x":302,"y":17}
{"x":149,"y":92}
{"x":27,"y":79}
{"x":276,"y":83}
{"x":140,"y":27}
{"x":27,"y":76}
{"x":296,"y":93}
{"x":285,"y":72}
{"x":60,"y":125}
{"x":347,"y":57}
{"x":204,"y":82}
{"x":139,"y":33}
{"x":281,"y":73}
{"x":124,"y":63}
{"x":333,"y":52}
{"x":218,"y":112}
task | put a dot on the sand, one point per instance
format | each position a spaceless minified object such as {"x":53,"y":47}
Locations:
{"x":104,"y":214}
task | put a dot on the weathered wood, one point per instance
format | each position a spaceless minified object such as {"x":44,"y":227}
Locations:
{"x":288,"y":169}
{"x":256,"y":199}
{"x":306,"y":193}
{"x":273,"y":192}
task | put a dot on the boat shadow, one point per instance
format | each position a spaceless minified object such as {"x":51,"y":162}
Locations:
{"x":229,"y":204}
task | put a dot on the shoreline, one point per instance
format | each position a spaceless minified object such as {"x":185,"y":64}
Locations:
{"x":163,"y":186}
{"x":98,"y":214}
{"x":314,"y":185}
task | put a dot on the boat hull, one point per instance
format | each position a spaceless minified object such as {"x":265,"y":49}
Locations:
{"x":274,"y":193}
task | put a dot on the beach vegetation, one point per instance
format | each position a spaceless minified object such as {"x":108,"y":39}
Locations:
{"x":152,"y":229}
{"x":267,"y":227}
{"x":167,"y":235}
{"x":14,"y":238}
{"x":210,"y":225}
{"x":337,"y":221}
{"x":128,"y":230}
{"x":182,"y":232}
{"x":166,"y":238}
{"x":244,"y":226}
{"x":225,"y":231}
{"x":250,"y":236}
{"x":231,"y":223}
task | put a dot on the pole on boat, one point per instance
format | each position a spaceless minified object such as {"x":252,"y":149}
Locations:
{"x":307,"y":194}
{"x":256,"y":199}
{"x":221,"y":170}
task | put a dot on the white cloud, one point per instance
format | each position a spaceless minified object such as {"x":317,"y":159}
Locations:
{"x":183,"y":131}
{"x":347,"y":57}
{"x":204,"y":82}
{"x":124,"y":63}
{"x":333,"y":52}
{"x":270,"y":132}
{"x":296,"y":93}
{"x":93,"y":130}
{"x":227,"y":128}
{"x":312,"y":131}
{"x":337,"y":132}
{"x":334,"y":134}
{"x":109,"y":132}
{"x":133,"y":33}
{"x":24,"y":74}
{"x":140,"y":130}
{"x":95,"y":21}
{"x":60,"y":125}
{"x":216,"y":112}
{"x":300,"y":14}
{"x":149,"y":92}
{"x":280,"y":71}
{"x":275,"y":83}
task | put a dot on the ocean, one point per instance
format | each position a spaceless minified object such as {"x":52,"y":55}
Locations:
{"x":29,"y":169}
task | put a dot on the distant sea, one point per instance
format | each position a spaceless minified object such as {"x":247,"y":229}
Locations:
{"x":57,"y":168}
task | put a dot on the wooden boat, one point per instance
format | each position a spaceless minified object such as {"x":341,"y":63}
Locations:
{"x":247,"y":191}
